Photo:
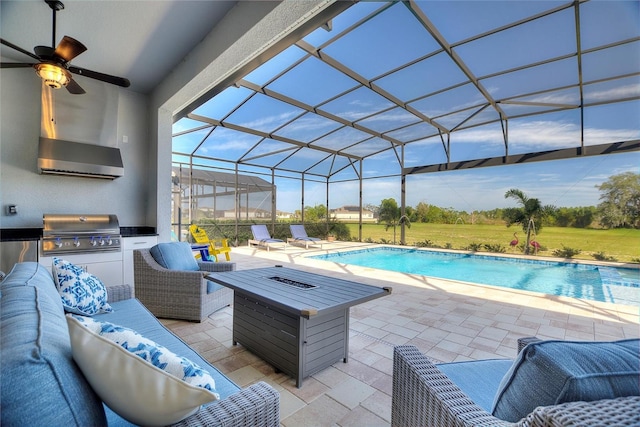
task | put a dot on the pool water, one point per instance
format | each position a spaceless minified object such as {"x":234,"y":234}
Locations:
{"x":583,"y":281}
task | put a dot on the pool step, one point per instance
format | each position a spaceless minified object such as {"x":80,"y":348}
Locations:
{"x":619,"y":289}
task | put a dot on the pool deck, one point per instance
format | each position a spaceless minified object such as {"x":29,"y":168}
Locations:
{"x":447,"y":320}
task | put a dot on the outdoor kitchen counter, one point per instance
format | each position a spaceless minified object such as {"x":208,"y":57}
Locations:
{"x":138,"y":231}
{"x":295,"y":320}
{"x":11,"y":234}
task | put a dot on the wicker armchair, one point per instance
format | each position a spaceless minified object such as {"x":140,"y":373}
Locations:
{"x":424,"y":396}
{"x":174,"y":294}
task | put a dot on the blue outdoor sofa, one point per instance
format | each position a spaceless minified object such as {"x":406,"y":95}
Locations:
{"x":42,"y":385}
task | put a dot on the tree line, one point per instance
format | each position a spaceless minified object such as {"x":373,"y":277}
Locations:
{"x":619,"y":207}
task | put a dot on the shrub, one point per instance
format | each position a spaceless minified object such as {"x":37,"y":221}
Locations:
{"x":474,"y":247}
{"x":424,"y":244}
{"x":601,"y":256}
{"x":566,"y":252}
{"x":496,"y":248}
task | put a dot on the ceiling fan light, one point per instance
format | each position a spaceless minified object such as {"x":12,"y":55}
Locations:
{"x":53,"y":75}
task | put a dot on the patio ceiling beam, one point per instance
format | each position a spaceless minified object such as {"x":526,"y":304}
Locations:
{"x":532,"y":65}
{"x":559,"y":107}
{"x":188,"y":131}
{"x":368,"y":83}
{"x":440,"y":39}
{"x":580,"y":81}
{"x":261,"y":134}
{"x":564,"y":153}
{"x":311,"y":109}
{"x":271,"y":153}
{"x":518,"y":23}
{"x":350,"y":164}
{"x":540,"y":104}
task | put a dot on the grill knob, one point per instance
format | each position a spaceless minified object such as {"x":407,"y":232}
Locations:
{"x":109,"y":241}
{"x":76,"y":242}
{"x":101,"y":241}
{"x":93,"y":241}
{"x":58,"y":242}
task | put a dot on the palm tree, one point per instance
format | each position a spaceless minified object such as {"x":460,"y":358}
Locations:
{"x":530,"y":212}
{"x":389,"y":213}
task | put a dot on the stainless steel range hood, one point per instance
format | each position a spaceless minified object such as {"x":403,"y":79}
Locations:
{"x":73,"y":158}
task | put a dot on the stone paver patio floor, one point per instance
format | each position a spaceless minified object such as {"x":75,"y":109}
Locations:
{"x":448,"y":321}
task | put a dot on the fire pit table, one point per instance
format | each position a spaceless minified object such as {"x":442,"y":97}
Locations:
{"x":295,"y":320}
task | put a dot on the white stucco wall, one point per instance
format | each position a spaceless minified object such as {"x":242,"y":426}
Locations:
{"x":35,"y":194}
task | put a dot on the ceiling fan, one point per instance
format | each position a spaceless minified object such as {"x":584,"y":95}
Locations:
{"x":53,"y":64}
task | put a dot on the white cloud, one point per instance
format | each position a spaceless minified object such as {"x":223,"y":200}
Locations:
{"x":628,"y":91}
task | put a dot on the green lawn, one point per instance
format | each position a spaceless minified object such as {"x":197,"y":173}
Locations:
{"x":621,"y":244}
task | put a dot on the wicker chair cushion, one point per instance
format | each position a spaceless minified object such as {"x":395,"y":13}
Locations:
{"x":175,"y":256}
{"x":41,"y":384}
{"x":142,"y":381}
{"x":553,"y":372}
{"x":478,"y":379}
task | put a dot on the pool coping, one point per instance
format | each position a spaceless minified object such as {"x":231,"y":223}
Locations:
{"x":608,"y":280}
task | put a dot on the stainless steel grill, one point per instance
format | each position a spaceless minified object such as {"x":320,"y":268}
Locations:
{"x":77,"y":234}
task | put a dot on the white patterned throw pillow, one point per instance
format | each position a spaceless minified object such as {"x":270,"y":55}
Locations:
{"x":140,"y":380}
{"x":82,"y":293}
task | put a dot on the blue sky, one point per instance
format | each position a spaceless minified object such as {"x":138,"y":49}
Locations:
{"x":408,"y":64}
{"x":561,"y":183}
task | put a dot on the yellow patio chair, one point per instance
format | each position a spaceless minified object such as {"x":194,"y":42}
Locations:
{"x":216,"y":247}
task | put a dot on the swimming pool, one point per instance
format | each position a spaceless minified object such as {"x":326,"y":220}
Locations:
{"x":592,"y":282}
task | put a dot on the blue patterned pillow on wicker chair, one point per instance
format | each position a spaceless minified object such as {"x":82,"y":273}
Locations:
{"x":142,"y":381}
{"x":82,"y":293}
{"x":548,"y":373}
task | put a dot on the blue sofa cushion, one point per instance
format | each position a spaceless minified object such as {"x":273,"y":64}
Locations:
{"x":478,"y":379}
{"x":82,"y":293}
{"x":37,"y":363}
{"x":174,"y":256}
{"x":553,"y":372}
{"x":138,"y":378}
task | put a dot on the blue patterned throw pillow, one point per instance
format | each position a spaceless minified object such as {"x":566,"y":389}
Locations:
{"x":140,"y":380}
{"x":82,"y":293}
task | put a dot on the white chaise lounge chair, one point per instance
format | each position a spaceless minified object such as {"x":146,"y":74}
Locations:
{"x":299,"y":237}
{"x":262,"y":238}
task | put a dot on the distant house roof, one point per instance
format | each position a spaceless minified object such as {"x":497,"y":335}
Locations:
{"x":251,"y":183}
{"x":349,"y":208}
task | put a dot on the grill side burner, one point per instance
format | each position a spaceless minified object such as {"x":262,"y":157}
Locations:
{"x":77,"y":234}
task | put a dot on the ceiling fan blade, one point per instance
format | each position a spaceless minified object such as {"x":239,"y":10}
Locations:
{"x":119,"y":81}
{"x":74,"y":88}
{"x":69,"y":48}
{"x":15,"y":65}
{"x":19,"y":49}
{"x":44,"y":52}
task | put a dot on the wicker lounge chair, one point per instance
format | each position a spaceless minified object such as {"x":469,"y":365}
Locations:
{"x":179,"y":294}
{"x":299,"y":237}
{"x":423,"y":395}
{"x":263,"y":239}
